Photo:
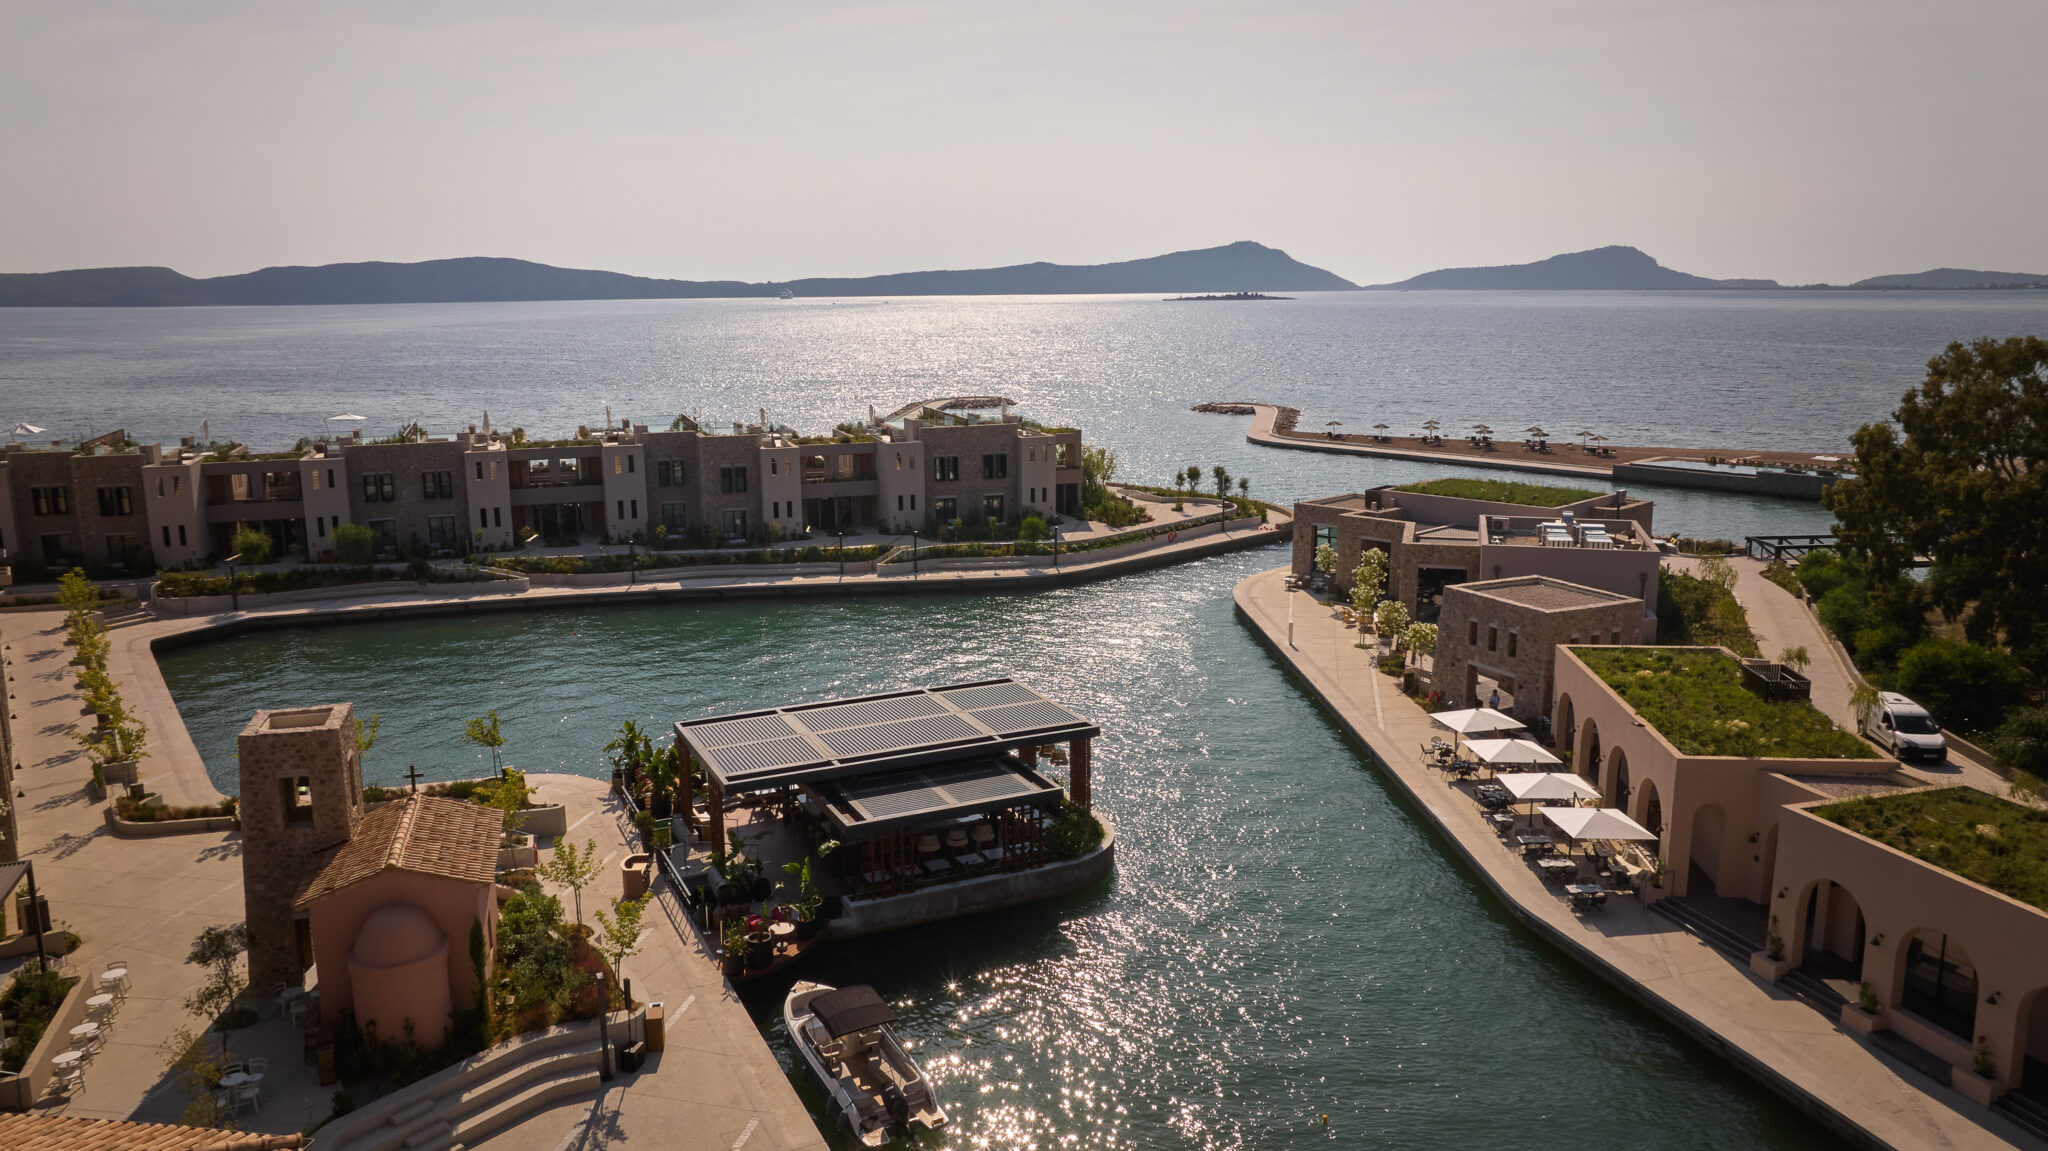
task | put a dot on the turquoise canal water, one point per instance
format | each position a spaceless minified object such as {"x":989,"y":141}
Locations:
{"x":1282,"y":940}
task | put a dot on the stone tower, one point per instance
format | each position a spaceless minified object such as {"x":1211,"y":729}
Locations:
{"x":302,"y":794}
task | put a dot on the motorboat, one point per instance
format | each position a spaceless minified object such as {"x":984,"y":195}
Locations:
{"x":876,"y":1088}
{"x":787,"y":294}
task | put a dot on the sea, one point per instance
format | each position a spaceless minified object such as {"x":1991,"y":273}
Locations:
{"x":1285,"y":957}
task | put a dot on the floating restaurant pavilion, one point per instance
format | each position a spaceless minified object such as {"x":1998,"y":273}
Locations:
{"x":885,"y":772}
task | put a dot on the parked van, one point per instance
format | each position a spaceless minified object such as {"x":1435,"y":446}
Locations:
{"x":1904,"y":728}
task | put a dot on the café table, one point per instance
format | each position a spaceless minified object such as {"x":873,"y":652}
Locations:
{"x":65,"y":1059}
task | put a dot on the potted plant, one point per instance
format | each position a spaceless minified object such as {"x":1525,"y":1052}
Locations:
{"x":1866,"y":998}
{"x":662,"y":777}
{"x":760,"y":941}
{"x":643,"y":822}
{"x":805,"y":909}
{"x":737,"y":947}
{"x":1981,"y":1061}
{"x":1657,"y":868}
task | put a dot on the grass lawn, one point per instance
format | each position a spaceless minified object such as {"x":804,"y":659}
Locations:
{"x":1695,"y":612}
{"x":1697,"y":701}
{"x":1501,"y":491}
{"x":1980,"y":837}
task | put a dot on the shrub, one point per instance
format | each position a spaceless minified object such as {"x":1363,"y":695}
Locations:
{"x":252,"y":544}
{"x":31,"y":1001}
{"x":1501,"y":491}
{"x":1696,"y":700}
{"x":2021,"y":742}
{"x":1695,"y":611}
{"x":1031,"y":528}
{"x":1966,"y":687}
{"x":1073,"y":834}
{"x":353,"y":544}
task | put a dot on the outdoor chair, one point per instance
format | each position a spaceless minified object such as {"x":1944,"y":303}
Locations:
{"x":69,"y":1082}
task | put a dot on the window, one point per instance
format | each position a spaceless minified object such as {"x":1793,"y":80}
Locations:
{"x":732,"y":478}
{"x":160,"y":487}
{"x":995,"y":466}
{"x":437,"y":485}
{"x":1615,"y":636}
{"x":947,"y":509}
{"x":330,"y":480}
{"x":622,"y":509}
{"x":668,"y":473}
{"x":633,"y":509}
{"x":1941,"y":983}
{"x":441,"y":534}
{"x":899,"y":461}
{"x":1492,"y":638}
{"x":384,"y":535}
{"x":51,"y":501}
{"x":899,"y":503}
{"x":494,"y":469}
{"x":479,"y":469}
{"x":992,"y":507}
{"x":913,"y":503}
{"x":379,"y":488}
{"x":618,"y":465}
{"x":483,"y":517}
{"x":945,"y":468}
{"x":320,"y":526}
{"x":1063,"y":455}
{"x":181,"y":535}
{"x":1513,"y":643}
{"x":295,"y":796}
{"x":1326,"y":536}
{"x":774,"y":468}
{"x":673,"y":516}
{"x":735,"y":521}
{"x":630,"y":464}
{"x":123,"y":550}
{"x":167,"y":535}
{"x":116,"y":501}
{"x":1472,"y":636}
{"x":498,"y":517}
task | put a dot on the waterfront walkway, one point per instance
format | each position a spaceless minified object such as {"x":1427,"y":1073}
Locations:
{"x":1859,"y":1092}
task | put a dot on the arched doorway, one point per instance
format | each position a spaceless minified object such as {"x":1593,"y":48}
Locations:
{"x":1588,"y":757}
{"x":1835,"y":934}
{"x":1649,"y":807}
{"x":2033,"y":1047}
{"x":1941,"y":983}
{"x":1566,"y":730}
{"x":1617,"y":783}
{"x":1703,"y":863}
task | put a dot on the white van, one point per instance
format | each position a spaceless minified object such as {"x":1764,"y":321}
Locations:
{"x":1904,"y":728}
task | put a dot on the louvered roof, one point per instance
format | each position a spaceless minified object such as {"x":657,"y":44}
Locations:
{"x":877,"y":733}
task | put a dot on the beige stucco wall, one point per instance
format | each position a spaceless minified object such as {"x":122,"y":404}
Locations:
{"x":324,"y":495}
{"x":2006,"y":940}
{"x":782,"y":489}
{"x":453,"y":905}
{"x":174,"y":495}
{"x":487,"y":480}
{"x":625,"y":489}
{"x":899,"y":484}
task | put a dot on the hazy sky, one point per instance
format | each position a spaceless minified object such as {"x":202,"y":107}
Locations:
{"x":780,"y":138}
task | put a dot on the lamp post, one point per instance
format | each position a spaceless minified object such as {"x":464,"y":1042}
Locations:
{"x":842,"y":550}
{"x":604,"y":1038}
{"x":234,"y":597}
{"x":913,"y":553}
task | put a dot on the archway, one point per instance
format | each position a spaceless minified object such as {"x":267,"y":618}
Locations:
{"x":1565,"y":730}
{"x":1587,"y":758}
{"x":1941,"y":983}
{"x":1617,"y":781}
{"x":2032,"y":1080}
{"x":1834,"y":934}
{"x":1649,"y":807}
{"x":1703,"y":863}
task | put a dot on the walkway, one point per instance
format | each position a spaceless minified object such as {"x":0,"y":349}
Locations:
{"x":1847,"y":1085}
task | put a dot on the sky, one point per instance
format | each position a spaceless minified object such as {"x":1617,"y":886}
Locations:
{"x":1793,"y":140}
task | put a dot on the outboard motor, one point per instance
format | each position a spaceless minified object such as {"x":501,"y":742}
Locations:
{"x":899,"y":1110}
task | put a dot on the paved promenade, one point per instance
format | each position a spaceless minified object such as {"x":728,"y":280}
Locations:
{"x":1861,"y":1093}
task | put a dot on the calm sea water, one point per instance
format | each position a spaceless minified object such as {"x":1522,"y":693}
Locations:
{"x":1282,"y":940}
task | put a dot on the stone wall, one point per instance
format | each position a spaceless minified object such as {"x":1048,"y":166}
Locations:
{"x":1500,"y":639}
{"x":281,"y":848}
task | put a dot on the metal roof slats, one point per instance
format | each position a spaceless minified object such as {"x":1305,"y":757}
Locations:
{"x":1021,"y":717}
{"x":841,"y":715}
{"x":944,"y":727}
{"x":711,"y":737}
{"x":766,"y":755}
{"x":988,"y":695}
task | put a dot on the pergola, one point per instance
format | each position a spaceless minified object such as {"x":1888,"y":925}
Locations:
{"x":883,"y":764}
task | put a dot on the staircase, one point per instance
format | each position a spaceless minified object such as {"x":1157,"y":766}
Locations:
{"x":1739,"y":947}
{"x":463,"y":1105}
{"x":2028,"y":1113}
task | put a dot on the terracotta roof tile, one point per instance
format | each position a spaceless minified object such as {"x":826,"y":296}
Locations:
{"x":425,"y":834}
{"x":32,"y":1132}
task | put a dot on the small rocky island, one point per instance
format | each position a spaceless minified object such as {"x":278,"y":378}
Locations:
{"x":1230,"y":296}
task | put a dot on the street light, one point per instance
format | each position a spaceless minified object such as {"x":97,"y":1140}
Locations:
{"x":234,"y":597}
{"x":842,"y":549}
{"x":913,"y":553}
{"x":1055,"y":546}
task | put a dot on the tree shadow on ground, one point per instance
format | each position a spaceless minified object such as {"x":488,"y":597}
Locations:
{"x":65,"y":799}
{"x":231,"y":849}
{"x":67,"y":845}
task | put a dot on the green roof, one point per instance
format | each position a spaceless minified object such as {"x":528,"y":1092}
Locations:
{"x":1980,"y":837}
{"x":1694,"y":697}
{"x":1500,"y":491}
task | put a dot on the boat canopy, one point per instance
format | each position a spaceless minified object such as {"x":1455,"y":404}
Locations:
{"x":762,"y":750}
{"x":851,"y":1009}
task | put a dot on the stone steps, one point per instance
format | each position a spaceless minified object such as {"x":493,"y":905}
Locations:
{"x":2025,"y":1113}
{"x":460,"y":1105}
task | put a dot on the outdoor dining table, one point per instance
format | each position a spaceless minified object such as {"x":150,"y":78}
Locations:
{"x":241,"y":1079}
{"x":67,"y":1058}
{"x":85,"y":1031}
{"x":103,"y":999}
{"x":1536,"y":842}
{"x":1555,"y":867}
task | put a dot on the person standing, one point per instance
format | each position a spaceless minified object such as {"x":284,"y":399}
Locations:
{"x":1493,"y":699}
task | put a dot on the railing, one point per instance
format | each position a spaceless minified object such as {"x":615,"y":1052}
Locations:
{"x":1784,"y":547}
{"x":664,"y":867}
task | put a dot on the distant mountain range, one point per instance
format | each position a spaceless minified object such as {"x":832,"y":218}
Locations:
{"x":1613,"y":268}
{"x":1241,"y":267}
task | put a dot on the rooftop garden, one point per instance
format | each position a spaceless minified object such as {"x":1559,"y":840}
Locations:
{"x":1500,"y":491}
{"x":1980,"y":837}
{"x":1695,"y":699}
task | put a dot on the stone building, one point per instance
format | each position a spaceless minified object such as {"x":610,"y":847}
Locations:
{"x":1434,"y":542}
{"x":1507,"y":630}
{"x":301,"y":797}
